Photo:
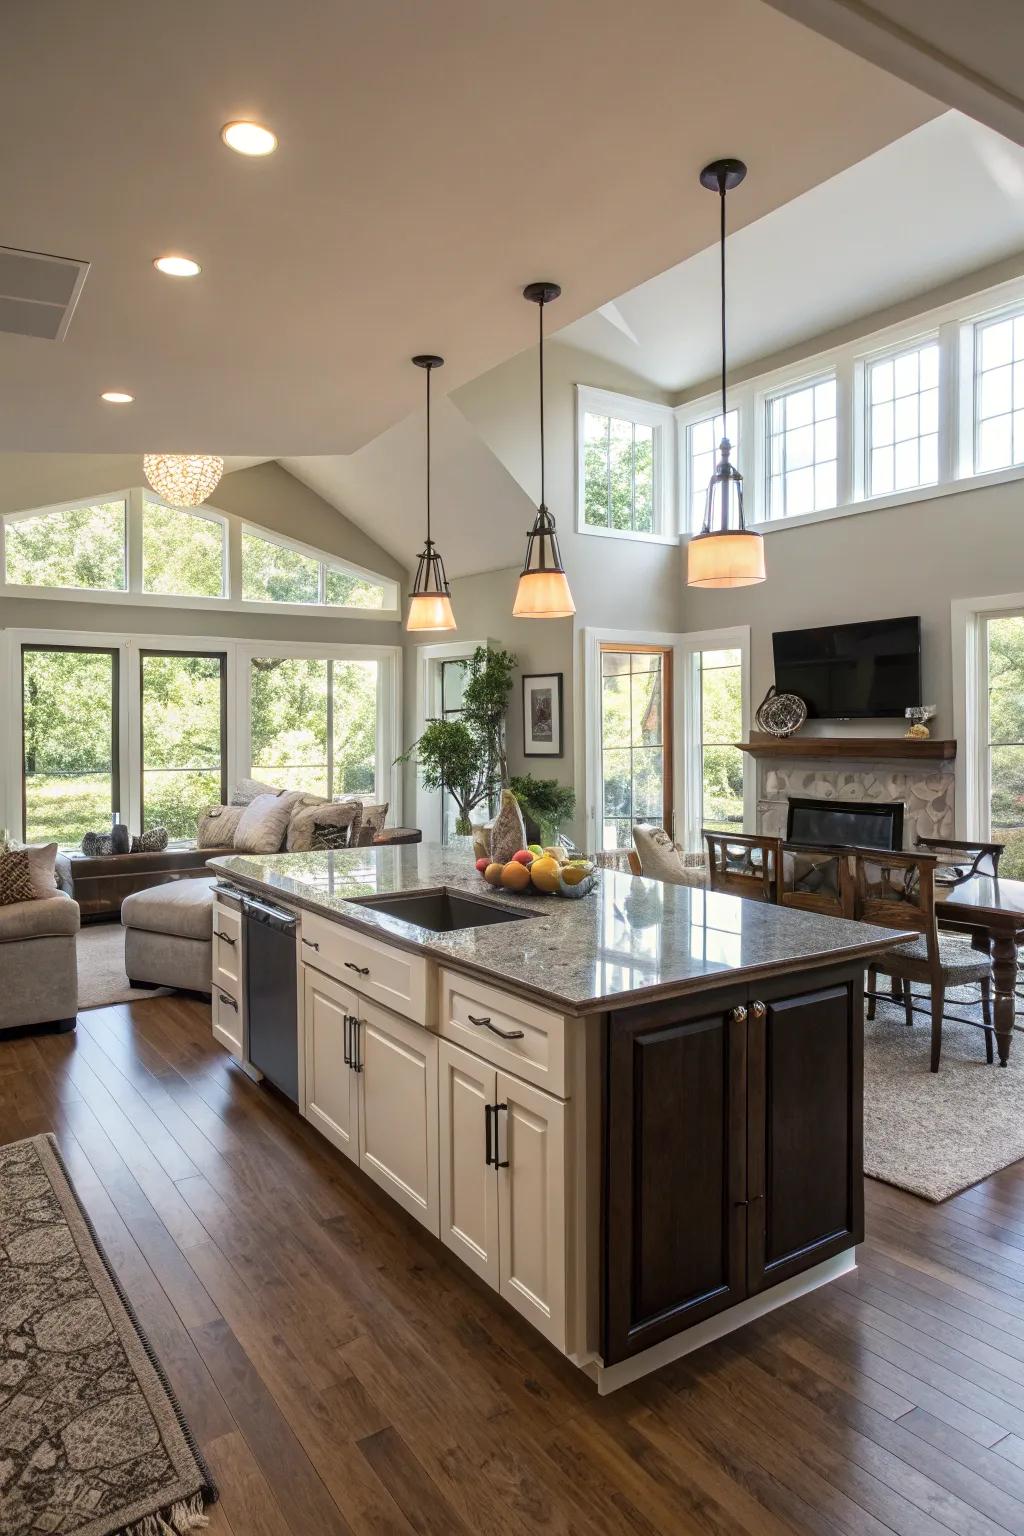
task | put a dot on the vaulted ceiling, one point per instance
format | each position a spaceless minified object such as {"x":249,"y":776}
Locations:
{"x":432,"y":159}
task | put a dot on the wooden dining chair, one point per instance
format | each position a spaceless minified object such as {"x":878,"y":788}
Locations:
{"x":742,"y":864}
{"x":967,"y":858}
{"x":816,"y":880}
{"x":897,"y":890}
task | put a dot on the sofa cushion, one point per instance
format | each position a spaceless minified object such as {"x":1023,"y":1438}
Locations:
{"x":663,"y":859}
{"x":217,"y":826}
{"x":183,"y":908}
{"x":15,"y":878}
{"x":264,"y":823}
{"x":341,"y":819}
{"x":246,"y":790}
{"x":45,"y":917}
{"x":42,"y":860}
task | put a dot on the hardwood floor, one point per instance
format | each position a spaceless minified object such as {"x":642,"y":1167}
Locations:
{"x":342,"y":1374}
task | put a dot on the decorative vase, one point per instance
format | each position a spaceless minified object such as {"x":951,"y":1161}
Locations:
{"x":508,"y":834}
{"x":481,"y":842}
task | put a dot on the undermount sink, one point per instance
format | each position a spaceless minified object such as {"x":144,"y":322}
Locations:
{"x":441,"y":911}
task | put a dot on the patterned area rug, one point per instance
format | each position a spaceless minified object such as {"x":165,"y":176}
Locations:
{"x":92,"y":1442}
{"x":935,"y":1134}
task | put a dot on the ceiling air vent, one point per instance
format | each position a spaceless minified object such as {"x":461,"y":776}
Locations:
{"x":38,"y":293}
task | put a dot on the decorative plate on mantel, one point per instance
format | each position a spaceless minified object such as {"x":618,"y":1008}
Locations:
{"x":780,"y":714}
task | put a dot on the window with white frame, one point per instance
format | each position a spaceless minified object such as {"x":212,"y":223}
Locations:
{"x":903,"y":420}
{"x":624,"y":453}
{"x":703,"y":438}
{"x":136,"y":548}
{"x":77,"y":546}
{"x":998,"y":393}
{"x":801,"y":449}
{"x":1002,"y":737}
{"x":313,"y":724}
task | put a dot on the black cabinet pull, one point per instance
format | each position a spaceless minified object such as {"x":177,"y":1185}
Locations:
{"x":347,"y":1022}
{"x":310,"y":944}
{"x":228,"y":1002}
{"x":225,"y":936}
{"x":357,"y":1045}
{"x":360,"y":970}
{"x":497,"y":1138}
{"x":488,"y":1146}
{"x":504,"y":1034}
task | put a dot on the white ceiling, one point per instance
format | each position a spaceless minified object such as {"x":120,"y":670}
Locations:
{"x":945,"y":200}
{"x":433,"y":159}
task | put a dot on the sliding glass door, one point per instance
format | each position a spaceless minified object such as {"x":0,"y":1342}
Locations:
{"x":313,"y":724}
{"x":184,"y":738}
{"x":69,"y":742}
{"x":1003,"y":738}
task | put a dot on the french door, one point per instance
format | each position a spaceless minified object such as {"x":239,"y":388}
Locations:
{"x":636,"y":739}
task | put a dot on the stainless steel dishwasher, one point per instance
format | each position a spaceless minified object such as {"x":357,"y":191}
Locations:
{"x":270,"y":995}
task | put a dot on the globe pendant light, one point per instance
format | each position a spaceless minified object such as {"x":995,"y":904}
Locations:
{"x":183,"y":479}
{"x":543,"y":590}
{"x":430,"y":601}
{"x":722,"y":555}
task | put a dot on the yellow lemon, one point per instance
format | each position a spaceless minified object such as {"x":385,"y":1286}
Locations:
{"x":544,"y":873}
{"x":574,"y":873}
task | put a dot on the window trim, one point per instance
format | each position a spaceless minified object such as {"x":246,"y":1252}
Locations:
{"x":238,"y":654}
{"x":232,"y":602}
{"x":970,"y":704}
{"x":647,"y":413}
{"x":954,"y":325}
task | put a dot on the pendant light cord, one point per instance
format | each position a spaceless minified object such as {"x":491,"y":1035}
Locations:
{"x":721,"y":194}
{"x":429,"y":371}
{"x":540,"y":317}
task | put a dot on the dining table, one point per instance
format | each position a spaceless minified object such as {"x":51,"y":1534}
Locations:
{"x":991,"y":912}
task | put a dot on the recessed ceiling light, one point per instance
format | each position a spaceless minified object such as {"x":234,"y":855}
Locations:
{"x":249,"y":138}
{"x":116,"y":397}
{"x":177,"y":266}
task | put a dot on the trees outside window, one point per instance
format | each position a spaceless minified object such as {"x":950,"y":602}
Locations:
{"x":636,"y":736}
{"x":182,"y":553}
{"x":720,"y":675}
{"x":184,"y":708}
{"x":313,"y":724}
{"x":70,"y":756}
{"x":81,"y":546}
{"x":1005,"y":739}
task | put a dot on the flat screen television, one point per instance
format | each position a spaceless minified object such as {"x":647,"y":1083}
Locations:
{"x":849,"y":671}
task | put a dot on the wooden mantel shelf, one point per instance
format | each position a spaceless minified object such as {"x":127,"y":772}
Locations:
{"x":859,"y":747}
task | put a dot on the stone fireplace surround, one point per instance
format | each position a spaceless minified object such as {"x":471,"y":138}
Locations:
{"x":924,"y":784}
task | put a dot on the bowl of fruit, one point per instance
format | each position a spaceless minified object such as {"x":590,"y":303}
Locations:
{"x":541,"y":871}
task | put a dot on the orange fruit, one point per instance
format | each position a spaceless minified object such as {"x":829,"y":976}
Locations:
{"x":545,"y":874}
{"x":515,"y":876}
{"x":492,"y":874}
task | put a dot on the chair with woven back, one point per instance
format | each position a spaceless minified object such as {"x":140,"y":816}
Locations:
{"x":816,"y":880}
{"x":897,"y":890}
{"x":742,"y":864}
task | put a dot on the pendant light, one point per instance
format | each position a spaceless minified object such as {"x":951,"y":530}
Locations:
{"x":543,"y":590}
{"x":722,"y":555}
{"x":183,"y":479}
{"x":430,"y":601}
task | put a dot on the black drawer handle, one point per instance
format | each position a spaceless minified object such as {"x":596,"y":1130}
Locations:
{"x":360,"y":970}
{"x":488,"y":1145}
{"x":310,"y":944}
{"x":497,"y":1138}
{"x":504,"y":1034}
{"x":228,"y":1002}
{"x":225,"y":936}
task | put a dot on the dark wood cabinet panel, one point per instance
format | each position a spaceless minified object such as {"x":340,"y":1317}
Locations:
{"x":676,"y":1175}
{"x":804,"y":1132}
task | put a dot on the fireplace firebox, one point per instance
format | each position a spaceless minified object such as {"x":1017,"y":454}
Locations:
{"x":845,"y":823}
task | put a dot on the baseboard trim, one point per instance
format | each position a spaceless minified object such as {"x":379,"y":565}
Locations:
{"x":610,"y":1378}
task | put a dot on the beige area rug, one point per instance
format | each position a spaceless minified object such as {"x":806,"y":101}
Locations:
{"x":935,"y":1134}
{"x":101,"y":973}
{"x":95,"y":1442}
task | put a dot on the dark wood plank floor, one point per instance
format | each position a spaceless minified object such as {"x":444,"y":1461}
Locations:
{"x":343,"y":1375}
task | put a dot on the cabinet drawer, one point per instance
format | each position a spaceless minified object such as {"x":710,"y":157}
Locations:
{"x":227,"y":1019}
{"x":377,"y":971}
{"x":515,"y":1035}
{"x":227,"y":949}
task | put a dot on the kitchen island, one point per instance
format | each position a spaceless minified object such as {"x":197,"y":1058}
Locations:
{"x":636,"y":1115}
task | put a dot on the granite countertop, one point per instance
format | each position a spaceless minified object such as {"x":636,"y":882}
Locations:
{"x":630,"y":940}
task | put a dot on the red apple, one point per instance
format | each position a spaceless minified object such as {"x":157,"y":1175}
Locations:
{"x":524,"y":856}
{"x":481,"y":865}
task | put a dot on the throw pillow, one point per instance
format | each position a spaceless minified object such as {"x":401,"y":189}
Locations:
{"x":15,"y":878}
{"x":246,"y":790}
{"x":217,"y":826}
{"x":371,"y":821}
{"x":662,"y":859}
{"x":342,"y":820}
{"x":153,"y":841}
{"x":264,"y":823}
{"x":42,"y":860}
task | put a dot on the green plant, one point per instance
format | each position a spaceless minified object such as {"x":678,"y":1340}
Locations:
{"x":485,"y":695}
{"x":547,"y":801}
